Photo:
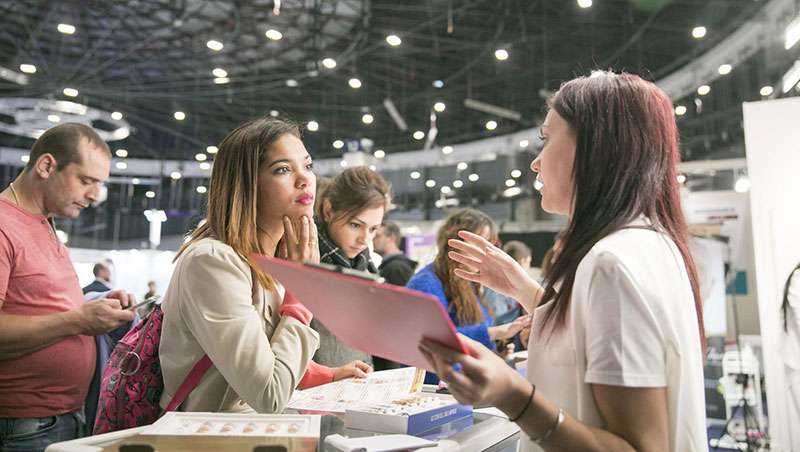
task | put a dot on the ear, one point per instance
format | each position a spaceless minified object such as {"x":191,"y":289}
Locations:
{"x":45,"y":165}
{"x":327,"y":210}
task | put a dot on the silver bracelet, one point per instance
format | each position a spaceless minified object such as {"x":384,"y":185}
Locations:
{"x":549,"y":433}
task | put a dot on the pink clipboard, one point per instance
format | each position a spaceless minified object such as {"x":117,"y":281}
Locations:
{"x":376,"y":318}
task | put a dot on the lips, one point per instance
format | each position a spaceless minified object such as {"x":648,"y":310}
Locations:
{"x":305,"y":199}
{"x":81,"y":205}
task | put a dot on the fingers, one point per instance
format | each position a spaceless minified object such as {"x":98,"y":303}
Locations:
{"x":464,"y":259}
{"x":474,"y":239}
{"x":469,"y":276}
{"x":288,"y":231}
{"x":466,"y":248}
{"x":112,"y":303}
{"x":361,"y":365}
{"x":305,"y":232}
{"x":283,"y":252}
{"x":448,"y":354}
{"x":128,"y":300}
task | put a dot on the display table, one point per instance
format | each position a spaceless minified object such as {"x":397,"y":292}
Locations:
{"x":488,"y":432}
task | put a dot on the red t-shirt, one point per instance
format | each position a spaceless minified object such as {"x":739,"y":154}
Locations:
{"x":37,"y":278}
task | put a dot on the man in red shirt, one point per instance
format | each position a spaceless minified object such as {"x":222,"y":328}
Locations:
{"x":47,"y":356}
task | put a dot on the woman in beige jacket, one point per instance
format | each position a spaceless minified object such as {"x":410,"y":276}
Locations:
{"x":221,"y":304}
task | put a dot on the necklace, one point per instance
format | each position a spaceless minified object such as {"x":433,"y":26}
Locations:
{"x":13,"y":192}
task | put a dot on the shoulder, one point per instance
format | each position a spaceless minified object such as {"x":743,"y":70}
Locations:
{"x":425,"y":278}
{"x":211,"y":253}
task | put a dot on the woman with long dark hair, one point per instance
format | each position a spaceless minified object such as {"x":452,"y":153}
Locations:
{"x":616,"y":352}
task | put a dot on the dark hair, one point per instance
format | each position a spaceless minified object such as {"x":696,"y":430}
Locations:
{"x":463,"y":295}
{"x":785,"y":304}
{"x":625,"y":166}
{"x":98,"y":268}
{"x":354,"y":190}
{"x":233,"y":191}
{"x":390,"y":228}
{"x":547,"y":260}
{"x":62,"y":143}
{"x":517,"y":250}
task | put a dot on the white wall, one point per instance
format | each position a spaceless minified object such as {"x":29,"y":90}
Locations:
{"x":772,"y":140}
{"x":131,"y":271}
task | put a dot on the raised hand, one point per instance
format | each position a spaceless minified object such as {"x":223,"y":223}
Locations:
{"x":300,"y":241}
{"x":491,"y":267}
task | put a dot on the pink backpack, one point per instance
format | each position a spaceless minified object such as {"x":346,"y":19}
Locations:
{"x":132,"y":384}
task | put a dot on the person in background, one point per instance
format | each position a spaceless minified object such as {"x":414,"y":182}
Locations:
{"x":102,"y":279}
{"x":395,"y":267}
{"x":552,"y":254}
{"x":615,"y":361}
{"x":521,"y":253}
{"x":221,"y":304}
{"x":151,"y":290}
{"x":47,"y":354}
{"x":463,"y":300}
{"x":352,"y":209}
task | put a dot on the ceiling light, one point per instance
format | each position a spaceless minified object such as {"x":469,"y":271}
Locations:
{"x":438,"y":84}
{"x":205,"y":166}
{"x":394,"y":40}
{"x":179,"y":115}
{"x":219,"y":72}
{"x":25,"y":158}
{"x":418,"y":135}
{"x":116,"y":115}
{"x":67,"y":29}
{"x":491,"y":125}
{"x":54,"y":118}
{"x":742,"y":184}
{"x":121,"y":153}
{"x":212,"y":149}
{"x":430,"y":183}
{"x":473,"y":177}
{"x":703,"y":90}
{"x":585,"y":3}
{"x":791,"y":77}
{"x":70,"y":92}
{"x":121,"y":165}
{"x":447,"y":150}
{"x":27,"y":68}
{"x":201,"y":189}
{"x":511,"y":192}
{"x":699,"y":32}
{"x":274,"y":113}
{"x":458,"y":183}
{"x":135,"y":181}
{"x":415,"y":175}
{"x":445,"y":189}
{"x":354,"y":83}
{"x":367,"y":118}
{"x":379,"y":154}
{"x":725,"y":69}
{"x":792,"y":34}
{"x":292,"y":83}
{"x":681,"y":178}
{"x":343,"y":163}
{"x":766,"y":91}
{"x":313,"y":126}
{"x":501,"y":54}
{"x":329,"y":63}
{"x":150,"y":194}
{"x":461,"y":166}
{"x":680,"y":110}
{"x":338,"y":144}
{"x":510,"y":182}
{"x":524,"y":143}
{"x":200,"y":157}
{"x":273,"y":34}
{"x":222,"y":80}
{"x":214,"y":45}
{"x":175,"y":175}
{"x":516,"y":173}
{"x":439,"y":106}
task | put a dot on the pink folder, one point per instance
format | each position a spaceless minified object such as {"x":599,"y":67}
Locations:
{"x":379,"y":319}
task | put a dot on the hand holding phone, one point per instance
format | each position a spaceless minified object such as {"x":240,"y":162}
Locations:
{"x":145,"y":302}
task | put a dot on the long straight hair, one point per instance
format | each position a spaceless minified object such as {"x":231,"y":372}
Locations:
{"x":464,"y":296}
{"x":232,"y":214}
{"x":625,"y":166}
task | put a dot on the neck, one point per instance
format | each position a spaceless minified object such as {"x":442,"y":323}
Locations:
{"x":28,"y":197}
{"x":390,"y":250}
{"x":269,"y":234}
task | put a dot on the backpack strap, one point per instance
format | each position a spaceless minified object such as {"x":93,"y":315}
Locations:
{"x":191,"y":381}
{"x":202,"y":366}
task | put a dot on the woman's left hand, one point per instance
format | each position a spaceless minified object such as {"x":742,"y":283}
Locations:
{"x":483,"y":379}
{"x":299,"y":243}
{"x":357,"y":369}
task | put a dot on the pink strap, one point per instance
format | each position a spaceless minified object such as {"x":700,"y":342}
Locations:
{"x":190,"y":383}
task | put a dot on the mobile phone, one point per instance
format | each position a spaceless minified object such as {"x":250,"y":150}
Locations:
{"x":147,"y":301}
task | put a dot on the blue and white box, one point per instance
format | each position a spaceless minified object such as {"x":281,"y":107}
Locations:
{"x":414,"y":415}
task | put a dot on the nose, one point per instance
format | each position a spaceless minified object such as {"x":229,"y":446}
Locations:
{"x":93,"y":193}
{"x":303,"y":180}
{"x":536,"y":164}
{"x":362,"y":237}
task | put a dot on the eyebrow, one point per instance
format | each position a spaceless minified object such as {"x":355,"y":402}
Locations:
{"x":93,"y":179}
{"x":359,"y":220}
{"x":308,"y":157}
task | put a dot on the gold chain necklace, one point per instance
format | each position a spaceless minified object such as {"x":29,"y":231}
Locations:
{"x":13,"y":192}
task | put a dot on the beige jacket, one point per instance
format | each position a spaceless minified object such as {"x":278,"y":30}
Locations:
{"x":259,"y":357}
